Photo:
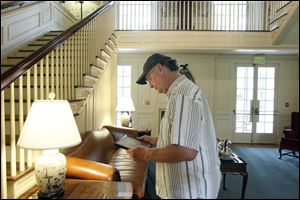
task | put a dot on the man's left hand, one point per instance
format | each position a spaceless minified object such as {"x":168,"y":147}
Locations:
{"x":138,"y":154}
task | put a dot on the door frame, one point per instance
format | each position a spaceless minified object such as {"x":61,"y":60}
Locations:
{"x":254,"y":137}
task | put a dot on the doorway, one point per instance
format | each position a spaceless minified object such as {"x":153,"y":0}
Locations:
{"x":255,"y":116}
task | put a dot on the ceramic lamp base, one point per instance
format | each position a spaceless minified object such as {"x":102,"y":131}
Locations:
{"x":125,"y":119}
{"x":51,"y":195}
{"x":50,"y":173}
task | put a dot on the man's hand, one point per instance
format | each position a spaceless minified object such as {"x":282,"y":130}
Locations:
{"x":138,"y":154}
{"x":147,"y":138}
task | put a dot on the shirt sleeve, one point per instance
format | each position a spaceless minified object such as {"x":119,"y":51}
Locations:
{"x":187,"y":123}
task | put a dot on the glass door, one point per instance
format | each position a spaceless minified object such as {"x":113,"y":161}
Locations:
{"x":255,"y":103}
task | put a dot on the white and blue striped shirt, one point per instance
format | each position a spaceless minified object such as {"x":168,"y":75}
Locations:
{"x":188,"y":122}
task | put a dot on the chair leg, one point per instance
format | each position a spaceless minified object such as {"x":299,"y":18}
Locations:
{"x":280,"y":153}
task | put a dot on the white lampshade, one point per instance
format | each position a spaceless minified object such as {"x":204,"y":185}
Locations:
{"x":125,"y":104}
{"x":50,"y":124}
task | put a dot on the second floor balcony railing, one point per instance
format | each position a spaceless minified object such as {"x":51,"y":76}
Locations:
{"x":197,"y":15}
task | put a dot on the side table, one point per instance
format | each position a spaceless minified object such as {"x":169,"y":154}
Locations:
{"x":89,"y":189}
{"x":236,"y":166}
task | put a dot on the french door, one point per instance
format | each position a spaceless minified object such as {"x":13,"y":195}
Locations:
{"x":255,"y":116}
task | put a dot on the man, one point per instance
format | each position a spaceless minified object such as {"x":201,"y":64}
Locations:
{"x":186,"y":155}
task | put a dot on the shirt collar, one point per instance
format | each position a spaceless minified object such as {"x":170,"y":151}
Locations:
{"x":174,"y":85}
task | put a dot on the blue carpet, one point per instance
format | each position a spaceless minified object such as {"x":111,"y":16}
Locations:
{"x":268,"y":176}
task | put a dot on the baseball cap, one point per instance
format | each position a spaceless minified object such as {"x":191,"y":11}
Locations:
{"x":149,"y":64}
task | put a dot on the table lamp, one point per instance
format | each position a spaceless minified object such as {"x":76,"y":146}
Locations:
{"x":125,"y":106}
{"x":50,"y":125}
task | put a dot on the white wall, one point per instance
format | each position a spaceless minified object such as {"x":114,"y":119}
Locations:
{"x":215,"y":74}
{"x":23,"y":25}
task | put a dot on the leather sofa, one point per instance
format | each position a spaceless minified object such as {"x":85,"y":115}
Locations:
{"x":97,"y":158}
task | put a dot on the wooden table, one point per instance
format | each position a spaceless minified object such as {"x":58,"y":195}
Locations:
{"x":235,"y":166}
{"x":89,"y":189}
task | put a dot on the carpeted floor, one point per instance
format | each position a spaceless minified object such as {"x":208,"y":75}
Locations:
{"x":268,"y":176}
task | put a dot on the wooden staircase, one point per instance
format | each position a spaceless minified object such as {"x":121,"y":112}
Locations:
{"x":68,"y":63}
{"x":16,"y":101}
{"x":283,"y":19}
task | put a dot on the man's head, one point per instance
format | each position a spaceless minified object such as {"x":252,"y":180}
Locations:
{"x":152,"y":62}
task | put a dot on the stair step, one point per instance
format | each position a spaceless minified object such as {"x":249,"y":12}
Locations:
{"x":96,"y":70}
{"x":89,"y":80}
{"x":112,"y":42}
{"x":105,"y":53}
{"x":19,"y":173}
{"x":83,"y":92}
{"x":101,"y":61}
{"x":110,"y":48}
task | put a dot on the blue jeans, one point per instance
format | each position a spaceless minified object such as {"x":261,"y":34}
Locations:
{"x":150,"y":192}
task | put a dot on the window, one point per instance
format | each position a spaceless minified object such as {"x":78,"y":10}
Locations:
{"x":123,"y":84}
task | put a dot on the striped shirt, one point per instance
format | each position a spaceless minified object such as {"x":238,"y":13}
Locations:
{"x":188,"y":122}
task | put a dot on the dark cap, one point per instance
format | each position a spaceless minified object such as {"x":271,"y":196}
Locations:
{"x":149,"y":64}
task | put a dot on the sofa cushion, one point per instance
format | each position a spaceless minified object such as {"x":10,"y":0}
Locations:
{"x":85,"y":169}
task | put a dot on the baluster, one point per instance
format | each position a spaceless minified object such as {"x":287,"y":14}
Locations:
{"x":21,"y":122}
{"x":3,"y":149}
{"x":13,"y":167}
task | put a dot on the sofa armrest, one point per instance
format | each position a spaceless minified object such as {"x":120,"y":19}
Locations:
{"x":118,"y":132}
{"x":90,"y":170}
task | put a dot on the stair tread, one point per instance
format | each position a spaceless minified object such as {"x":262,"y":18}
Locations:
{"x":19,"y":173}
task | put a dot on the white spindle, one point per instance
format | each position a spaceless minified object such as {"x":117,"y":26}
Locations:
{"x":61,"y":74}
{"x":65,"y":78}
{"x":35,"y":83}
{"x":188,"y":14}
{"x":47,"y":76}
{"x":69,"y":46}
{"x":183,"y":16}
{"x":200,"y":16}
{"x":80,"y":55}
{"x":172,"y":15}
{"x":76,"y":57}
{"x":52,"y":72}
{"x":42,"y":79}
{"x":13,"y":160}
{"x":57,"y":86}
{"x":21,"y":121}
{"x":3,"y":150}
{"x":176,"y":16}
{"x":209,"y":15}
{"x":28,"y":105}
{"x":73,"y":64}
{"x":180,"y":16}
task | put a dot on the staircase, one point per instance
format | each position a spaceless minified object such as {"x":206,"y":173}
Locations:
{"x":285,"y":15}
{"x":71,"y":70}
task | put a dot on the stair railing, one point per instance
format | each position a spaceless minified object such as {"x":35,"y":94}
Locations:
{"x":58,"y":66}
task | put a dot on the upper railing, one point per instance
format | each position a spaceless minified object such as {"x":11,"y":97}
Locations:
{"x":197,"y":15}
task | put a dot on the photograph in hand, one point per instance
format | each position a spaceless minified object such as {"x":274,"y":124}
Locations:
{"x":127,"y":142}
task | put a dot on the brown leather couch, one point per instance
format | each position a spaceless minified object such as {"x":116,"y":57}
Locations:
{"x":97,"y":158}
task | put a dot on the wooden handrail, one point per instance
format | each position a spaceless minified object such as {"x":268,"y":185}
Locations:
{"x":20,"y":68}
